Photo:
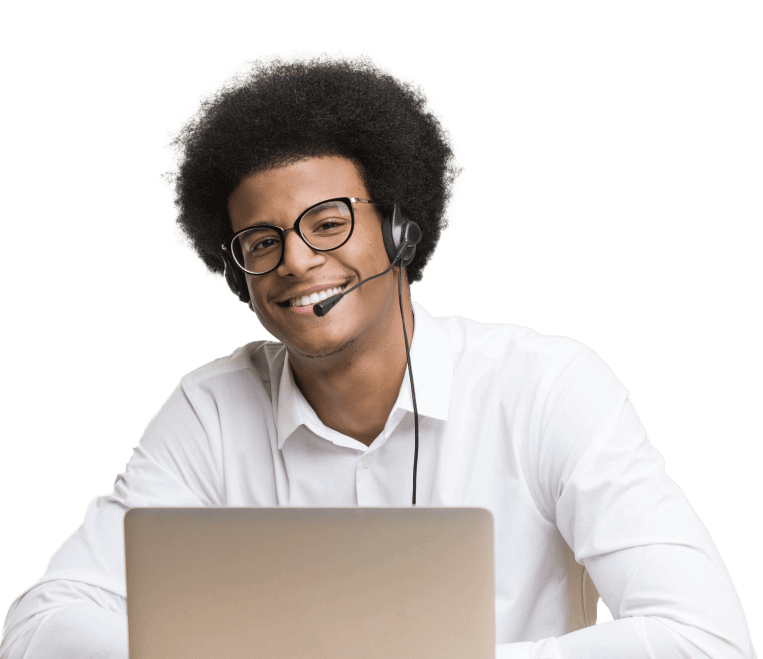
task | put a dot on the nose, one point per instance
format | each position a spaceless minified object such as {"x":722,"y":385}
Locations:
{"x":298,"y":256}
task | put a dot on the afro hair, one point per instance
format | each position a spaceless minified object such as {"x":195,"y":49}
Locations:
{"x":281,"y":112}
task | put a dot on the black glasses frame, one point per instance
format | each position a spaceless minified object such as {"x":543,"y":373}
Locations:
{"x":349,"y":201}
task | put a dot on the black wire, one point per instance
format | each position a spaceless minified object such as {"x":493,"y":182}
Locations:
{"x":413,"y":389}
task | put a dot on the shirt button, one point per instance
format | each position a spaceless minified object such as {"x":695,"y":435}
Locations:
{"x":368,"y":460}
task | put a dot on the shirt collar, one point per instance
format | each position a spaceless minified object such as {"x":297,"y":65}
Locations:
{"x":432,"y":364}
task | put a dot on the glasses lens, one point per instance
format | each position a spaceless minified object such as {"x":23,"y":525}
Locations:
{"x":328,"y":225}
{"x":257,"y":250}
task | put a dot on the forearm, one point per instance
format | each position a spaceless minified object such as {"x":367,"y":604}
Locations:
{"x":627,"y":638}
{"x":78,"y":631}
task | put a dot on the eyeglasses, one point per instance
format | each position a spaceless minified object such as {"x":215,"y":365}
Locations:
{"x":325,"y":226}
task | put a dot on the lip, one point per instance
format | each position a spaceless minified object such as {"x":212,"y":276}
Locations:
{"x":306,"y":291}
{"x":308,"y":309}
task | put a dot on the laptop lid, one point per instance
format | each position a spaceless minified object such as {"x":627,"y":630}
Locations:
{"x":377,"y":583}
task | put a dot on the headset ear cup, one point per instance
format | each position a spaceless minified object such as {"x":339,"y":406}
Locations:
{"x":235,"y":278}
{"x":412,"y":235}
{"x":392,"y":233}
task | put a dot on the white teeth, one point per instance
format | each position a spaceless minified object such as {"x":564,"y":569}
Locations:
{"x":318,"y":296}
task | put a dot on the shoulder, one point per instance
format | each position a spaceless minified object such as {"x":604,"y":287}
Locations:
{"x":522,"y":370}
{"x":255,"y":367}
{"x":509,"y":351}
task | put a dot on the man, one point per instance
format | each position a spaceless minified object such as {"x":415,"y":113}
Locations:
{"x":288,"y":183}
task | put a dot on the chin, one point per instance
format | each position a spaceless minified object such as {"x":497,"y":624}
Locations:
{"x":322,"y":352}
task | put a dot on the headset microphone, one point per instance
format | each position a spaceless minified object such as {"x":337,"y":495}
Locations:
{"x":410,"y":236}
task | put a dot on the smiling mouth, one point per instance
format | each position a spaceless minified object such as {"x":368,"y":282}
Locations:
{"x":313,"y":298}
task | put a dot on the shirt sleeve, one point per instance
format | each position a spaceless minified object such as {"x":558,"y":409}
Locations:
{"x":78,"y":609}
{"x":649,"y":555}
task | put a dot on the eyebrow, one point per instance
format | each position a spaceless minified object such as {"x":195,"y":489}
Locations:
{"x":325,"y":204}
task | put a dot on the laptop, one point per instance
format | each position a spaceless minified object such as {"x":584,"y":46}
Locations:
{"x":298,"y":583}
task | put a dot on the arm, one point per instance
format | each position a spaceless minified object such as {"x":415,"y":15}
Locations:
{"x":78,"y":609}
{"x":77,"y":630}
{"x":629,"y":524}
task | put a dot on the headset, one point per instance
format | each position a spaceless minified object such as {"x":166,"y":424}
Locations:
{"x":400,"y":239}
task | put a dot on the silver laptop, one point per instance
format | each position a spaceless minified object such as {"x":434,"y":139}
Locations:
{"x":339,"y":583}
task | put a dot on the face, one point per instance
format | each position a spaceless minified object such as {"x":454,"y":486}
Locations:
{"x":277,"y":197}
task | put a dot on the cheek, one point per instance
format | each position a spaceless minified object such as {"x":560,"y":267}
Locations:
{"x":364,"y":260}
{"x":256,"y":299}
{"x":369,"y":251}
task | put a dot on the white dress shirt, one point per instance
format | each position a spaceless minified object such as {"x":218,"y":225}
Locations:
{"x":536,"y":429}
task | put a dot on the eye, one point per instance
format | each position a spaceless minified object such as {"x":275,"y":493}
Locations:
{"x":264,"y":243}
{"x":330,"y":224}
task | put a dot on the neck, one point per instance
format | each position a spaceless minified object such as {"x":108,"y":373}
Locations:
{"x":354,"y":390}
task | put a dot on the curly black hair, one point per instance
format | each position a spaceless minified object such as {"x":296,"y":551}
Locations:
{"x":281,"y":112}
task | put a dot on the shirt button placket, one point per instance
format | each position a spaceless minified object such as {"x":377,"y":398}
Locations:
{"x":363,"y":479}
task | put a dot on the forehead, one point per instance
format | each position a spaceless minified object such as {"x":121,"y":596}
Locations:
{"x":279,"y":195}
